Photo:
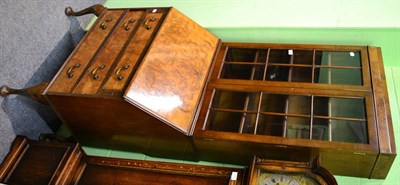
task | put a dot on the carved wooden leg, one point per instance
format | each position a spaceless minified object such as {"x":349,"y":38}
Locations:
{"x":95,"y":9}
{"x":35,"y":92}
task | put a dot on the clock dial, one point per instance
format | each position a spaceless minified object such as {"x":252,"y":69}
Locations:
{"x":279,"y":180}
{"x":270,"y":178}
{"x":278,"y":172}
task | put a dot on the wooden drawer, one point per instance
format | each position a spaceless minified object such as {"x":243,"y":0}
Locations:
{"x":134,"y":51}
{"x":79,"y":60}
{"x":97,"y":71}
{"x":121,"y":52}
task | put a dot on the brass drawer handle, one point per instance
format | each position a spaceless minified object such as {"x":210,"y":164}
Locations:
{"x":94,"y":72}
{"x":117,"y":72}
{"x":126,"y":24}
{"x":103,"y":24}
{"x":146,"y":23}
{"x":70,"y":71}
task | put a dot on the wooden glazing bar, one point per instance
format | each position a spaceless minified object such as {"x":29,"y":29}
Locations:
{"x":246,"y":105}
{"x":290,"y":68}
{"x":338,"y":67}
{"x":245,"y":63}
{"x":283,"y":114}
{"x":233,"y":110}
{"x":253,"y":70}
{"x":313,"y":67}
{"x":340,"y":118}
{"x":312,"y":115}
{"x":329,"y":100}
{"x":291,"y":64}
{"x":266,"y":64}
{"x":258,"y":113}
{"x":286,"y":112}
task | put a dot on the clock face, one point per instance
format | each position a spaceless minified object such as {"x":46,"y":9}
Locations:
{"x":267,"y":178}
{"x":279,"y":180}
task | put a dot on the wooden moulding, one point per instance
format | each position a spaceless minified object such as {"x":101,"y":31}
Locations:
{"x":387,"y":147}
{"x":39,"y":162}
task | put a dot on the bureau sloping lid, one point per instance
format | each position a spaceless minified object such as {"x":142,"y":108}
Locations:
{"x":169,"y":81}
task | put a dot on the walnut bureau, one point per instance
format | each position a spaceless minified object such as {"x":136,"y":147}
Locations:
{"x":153,"y":81}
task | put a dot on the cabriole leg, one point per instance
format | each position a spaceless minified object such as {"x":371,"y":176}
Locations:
{"x":35,"y":92}
{"x":95,"y":9}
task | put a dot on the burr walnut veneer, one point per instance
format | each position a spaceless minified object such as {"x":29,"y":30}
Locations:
{"x":151,"y":80}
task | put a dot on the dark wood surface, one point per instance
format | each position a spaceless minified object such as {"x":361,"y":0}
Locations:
{"x":112,"y":122}
{"x":32,"y":162}
{"x":51,"y":162}
{"x":387,"y":146}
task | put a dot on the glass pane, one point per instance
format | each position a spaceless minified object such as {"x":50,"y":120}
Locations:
{"x":273,"y":103}
{"x":303,"y":57}
{"x":298,"y":127}
{"x":252,"y":103}
{"x":301,"y":74}
{"x":339,"y":107}
{"x":341,"y":58}
{"x":283,"y":56}
{"x":343,"y":130}
{"x":277,"y":73}
{"x":229,"y":100}
{"x":338,"y":76}
{"x":299,"y":105}
{"x":318,"y":57}
{"x":270,"y":125}
{"x":240,"y":55}
{"x":262,"y":56}
{"x":243,"y":71}
{"x":224,"y":121}
{"x":249,"y":123}
{"x":279,"y":56}
{"x":236,"y":100}
{"x":236,"y":71}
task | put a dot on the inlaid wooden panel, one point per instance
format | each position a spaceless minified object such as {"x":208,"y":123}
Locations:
{"x":170,"y":80}
{"x":132,"y":53}
{"x":82,"y":55}
{"x":96,"y":73}
{"x":100,"y":170}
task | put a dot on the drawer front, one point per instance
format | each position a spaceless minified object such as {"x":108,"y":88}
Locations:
{"x":98,"y":70}
{"x":134,"y":50}
{"x":76,"y":64}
